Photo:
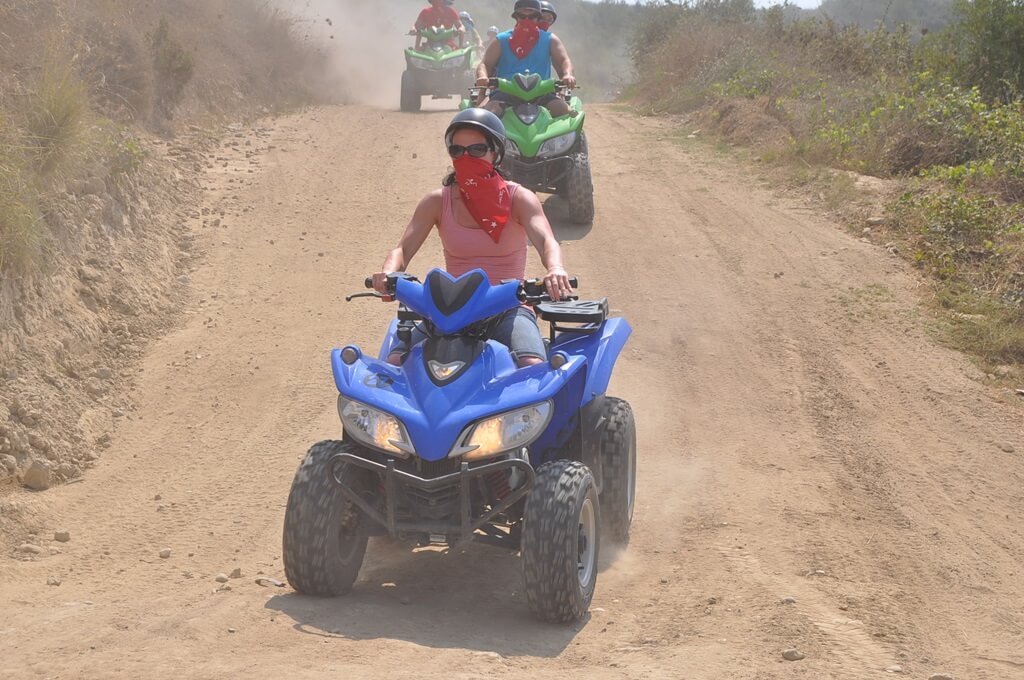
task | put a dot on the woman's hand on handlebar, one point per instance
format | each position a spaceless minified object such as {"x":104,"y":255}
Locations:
{"x":380,"y":282}
{"x":557,"y":283}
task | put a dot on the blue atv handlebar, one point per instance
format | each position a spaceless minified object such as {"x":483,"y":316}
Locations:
{"x":531,"y":288}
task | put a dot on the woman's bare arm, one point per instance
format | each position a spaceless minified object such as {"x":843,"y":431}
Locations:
{"x":426,"y":216}
{"x":528,"y":211}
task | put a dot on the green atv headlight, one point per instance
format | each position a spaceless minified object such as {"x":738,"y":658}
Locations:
{"x":557,"y":145}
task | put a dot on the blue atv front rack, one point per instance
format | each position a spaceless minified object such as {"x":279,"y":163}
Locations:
{"x":467,"y":525}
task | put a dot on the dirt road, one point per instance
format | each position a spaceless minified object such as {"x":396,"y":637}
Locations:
{"x":800,"y":437}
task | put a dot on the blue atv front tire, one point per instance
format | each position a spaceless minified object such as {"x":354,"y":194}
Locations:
{"x":560,"y":542}
{"x":325,"y":537}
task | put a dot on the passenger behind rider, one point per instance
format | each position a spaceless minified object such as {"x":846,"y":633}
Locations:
{"x":440,"y":13}
{"x":484,"y":222}
{"x":526,"y":49}
{"x":548,"y":15}
{"x":492,"y":35}
{"x":472,"y":37}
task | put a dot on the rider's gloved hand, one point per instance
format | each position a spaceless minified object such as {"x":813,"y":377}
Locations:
{"x":380,"y":282}
{"x":557,"y":283}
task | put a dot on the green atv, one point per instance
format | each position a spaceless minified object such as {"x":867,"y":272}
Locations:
{"x":545,"y":154}
{"x":436,"y":68}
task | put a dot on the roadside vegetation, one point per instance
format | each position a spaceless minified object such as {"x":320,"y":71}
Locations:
{"x":81,"y":81}
{"x":938,"y":110}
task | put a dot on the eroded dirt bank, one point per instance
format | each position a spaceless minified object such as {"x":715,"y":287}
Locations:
{"x":800,"y":437}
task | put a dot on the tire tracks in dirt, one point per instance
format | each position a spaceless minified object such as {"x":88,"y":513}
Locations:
{"x":792,"y":418}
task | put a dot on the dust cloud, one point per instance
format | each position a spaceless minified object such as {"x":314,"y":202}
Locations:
{"x":365,"y":42}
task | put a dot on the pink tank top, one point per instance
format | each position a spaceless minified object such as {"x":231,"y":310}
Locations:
{"x":467,"y":248}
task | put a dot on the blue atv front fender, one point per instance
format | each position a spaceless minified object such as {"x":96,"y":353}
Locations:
{"x":435,"y":418}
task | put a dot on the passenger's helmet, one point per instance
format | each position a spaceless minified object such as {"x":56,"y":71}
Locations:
{"x":493,"y":29}
{"x":526,"y":4}
{"x":482,"y":120}
{"x":549,"y":8}
{"x":465,"y":17}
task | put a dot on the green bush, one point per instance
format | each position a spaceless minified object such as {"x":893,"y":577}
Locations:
{"x":986,"y":46}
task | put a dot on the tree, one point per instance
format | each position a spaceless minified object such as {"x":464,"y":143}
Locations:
{"x":987,"y":43}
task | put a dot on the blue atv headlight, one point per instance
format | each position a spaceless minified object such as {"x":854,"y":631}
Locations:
{"x":505,"y":432}
{"x":374,"y":427}
{"x":557,"y":146}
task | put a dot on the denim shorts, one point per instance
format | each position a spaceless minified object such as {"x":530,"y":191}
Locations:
{"x":517,"y":329}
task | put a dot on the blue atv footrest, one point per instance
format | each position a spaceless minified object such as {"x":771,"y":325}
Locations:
{"x":586,"y":316}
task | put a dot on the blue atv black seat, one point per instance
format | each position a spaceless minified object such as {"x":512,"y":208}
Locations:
{"x":586,"y":312}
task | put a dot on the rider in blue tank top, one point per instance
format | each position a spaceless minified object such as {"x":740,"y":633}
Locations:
{"x":528,"y":48}
{"x":537,"y":61}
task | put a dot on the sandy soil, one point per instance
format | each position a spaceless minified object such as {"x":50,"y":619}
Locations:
{"x":801,"y":436}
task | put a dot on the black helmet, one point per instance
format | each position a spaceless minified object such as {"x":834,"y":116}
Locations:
{"x":526,"y":4}
{"x":549,"y":8}
{"x":482,"y":120}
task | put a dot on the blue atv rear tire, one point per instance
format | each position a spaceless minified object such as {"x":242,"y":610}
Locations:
{"x":561,"y":541}
{"x":618,"y":470}
{"x":325,"y":537}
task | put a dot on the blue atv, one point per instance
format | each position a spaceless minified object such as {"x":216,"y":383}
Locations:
{"x":459,"y":444}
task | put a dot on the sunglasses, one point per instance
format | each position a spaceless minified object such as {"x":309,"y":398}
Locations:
{"x":531,"y":16}
{"x":474,"y":150}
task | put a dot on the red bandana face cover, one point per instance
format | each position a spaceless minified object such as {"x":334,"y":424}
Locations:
{"x":524,"y":37}
{"x":484,"y":192}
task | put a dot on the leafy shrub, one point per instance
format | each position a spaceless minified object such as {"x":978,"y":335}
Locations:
{"x":986,"y":46}
{"x":125,"y":155}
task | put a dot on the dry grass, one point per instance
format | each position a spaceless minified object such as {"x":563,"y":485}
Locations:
{"x":43,"y":140}
{"x":52,"y":113}
{"x":79,"y":78}
{"x":20,"y":235}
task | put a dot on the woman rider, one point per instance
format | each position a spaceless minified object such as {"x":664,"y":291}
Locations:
{"x":484,"y":222}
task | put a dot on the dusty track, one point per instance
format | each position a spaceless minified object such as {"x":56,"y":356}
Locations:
{"x":800,"y":436}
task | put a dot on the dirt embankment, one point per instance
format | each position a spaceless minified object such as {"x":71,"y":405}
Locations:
{"x":106,"y":111}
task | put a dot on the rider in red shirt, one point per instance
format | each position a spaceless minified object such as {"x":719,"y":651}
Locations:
{"x":440,"y":13}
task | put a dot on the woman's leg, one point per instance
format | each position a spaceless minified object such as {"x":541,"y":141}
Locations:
{"x":400,"y":351}
{"x":518,"y":330}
